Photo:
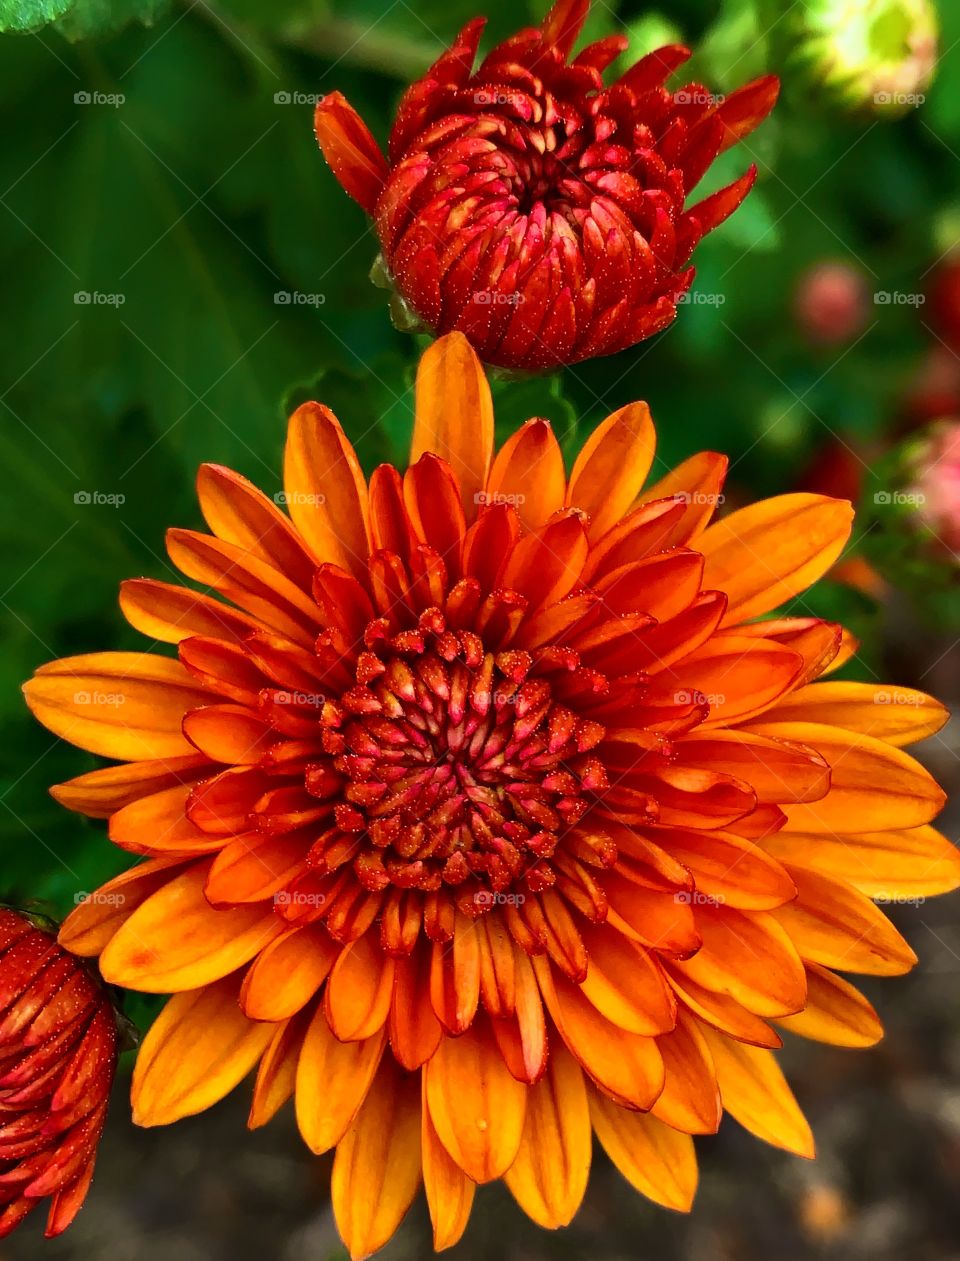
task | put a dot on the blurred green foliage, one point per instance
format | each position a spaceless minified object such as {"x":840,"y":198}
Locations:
{"x":160,"y":160}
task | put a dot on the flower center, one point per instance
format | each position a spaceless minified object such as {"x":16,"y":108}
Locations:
{"x":459,"y":767}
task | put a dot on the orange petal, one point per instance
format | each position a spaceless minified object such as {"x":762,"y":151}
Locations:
{"x":157,"y":824}
{"x":431,"y":494}
{"x":414,"y":1029}
{"x":728,"y":869}
{"x":169,"y":613}
{"x":357,"y":997}
{"x":277,"y":1074}
{"x":545,"y":566}
{"x":528,"y":474}
{"x":332,"y":1082}
{"x":250,"y":583}
{"x":476,"y":1106}
{"x":832,"y":924}
{"x":98,"y":794}
{"x":124,"y":705}
{"x":749,"y":957}
{"x":627,"y":1066}
{"x":612,"y":466}
{"x":696,"y":483}
{"x":287,"y":974}
{"x":625,"y":983}
{"x":376,"y":1170}
{"x":237,"y":512}
{"x":690,"y":1099}
{"x":230,"y":734}
{"x":449,"y":1190}
{"x":199,"y":1047}
{"x":90,"y":926}
{"x":765,"y":554}
{"x":754,"y":1091}
{"x":549,"y":1176}
{"x":904,"y":863}
{"x":874,"y":787}
{"x":836,"y":1012}
{"x":253,"y":868}
{"x":453,"y":414}
{"x":326,"y":493}
{"x":737,"y":676}
{"x":778,"y":772}
{"x":455,"y":976}
{"x":721,"y":1011}
{"x":898,"y":715}
{"x":658,"y":1161}
{"x":350,"y":149}
{"x":176,"y":941}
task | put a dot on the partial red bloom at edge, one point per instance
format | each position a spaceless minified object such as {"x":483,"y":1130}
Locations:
{"x":532,"y":207}
{"x":58,"y":1054}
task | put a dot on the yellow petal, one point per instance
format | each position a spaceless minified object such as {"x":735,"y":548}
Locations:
{"x":199,"y":1047}
{"x":658,"y":1161}
{"x":898,"y":715}
{"x":549,"y":1176}
{"x":767,"y":553}
{"x":449,"y":1191}
{"x":176,"y":941}
{"x":325,"y":490}
{"x":902,"y":863}
{"x":832,"y":924}
{"x":332,"y":1082}
{"x":528,"y":474}
{"x":124,"y":705}
{"x":477,"y":1108}
{"x":836,"y":1012}
{"x":612,"y":466}
{"x":376,"y":1170}
{"x":755,"y":1092}
{"x":453,"y":414}
{"x":874,"y":787}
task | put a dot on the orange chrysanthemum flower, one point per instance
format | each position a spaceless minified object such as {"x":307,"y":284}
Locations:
{"x":487,"y":814}
{"x":58,"y":1053}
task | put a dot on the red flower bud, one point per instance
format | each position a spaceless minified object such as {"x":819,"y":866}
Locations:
{"x":58,"y":1052}
{"x":531,"y":207}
